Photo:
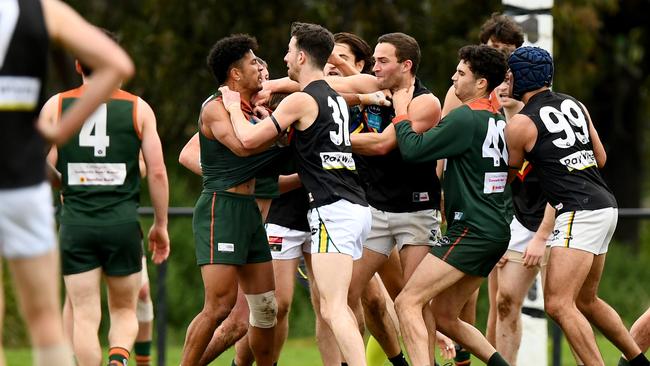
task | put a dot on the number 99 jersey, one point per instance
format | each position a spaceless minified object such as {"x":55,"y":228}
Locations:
{"x":324,"y":152}
{"x":563,"y":154}
{"x":100,"y":165}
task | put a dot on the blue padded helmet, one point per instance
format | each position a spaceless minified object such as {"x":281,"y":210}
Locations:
{"x":532,"y":68}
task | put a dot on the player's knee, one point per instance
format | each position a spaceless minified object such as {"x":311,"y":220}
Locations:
{"x":143,"y":294}
{"x":554,"y":306}
{"x":585,"y":304}
{"x":505,"y":305}
{"x":144,"y":310}
{"x":263,"y":309}
{"x":284,"y":307}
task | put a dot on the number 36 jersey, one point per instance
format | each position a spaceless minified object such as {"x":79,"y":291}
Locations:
{"x":563,"y":154}
{"x":324,"y":152}
{"x":472,"y":139}
{"x":100,"y":165}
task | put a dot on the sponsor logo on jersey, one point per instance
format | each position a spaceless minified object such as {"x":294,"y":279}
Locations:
{"x":19,"y":93}
{"x":226,"y":247}
{"x":559,"y":206}
{"x":458,"y":215}
{"x":337,"y":160}
{"x":96,"y":174}
{"x":579,"y":160}
{"x":495,"y":182}
{"x":420,"y":196}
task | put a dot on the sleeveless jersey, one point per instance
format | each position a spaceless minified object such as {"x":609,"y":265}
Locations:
{"x":222,"y":169}
{"x":391,"y":184}
{"x":563,"y":154}
{"x":528,"y":199}
{"x":99,"y":165}
{"x":471,"y":137}
{"x":324,"y":153}
{"x":24,"y":44}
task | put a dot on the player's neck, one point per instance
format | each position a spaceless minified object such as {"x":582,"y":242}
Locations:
{"x":474,"y":98}
{"x":244,"y":93}
{"x":308,"y":76}
{"x":526,"y":97}
{"x":405,"y":83}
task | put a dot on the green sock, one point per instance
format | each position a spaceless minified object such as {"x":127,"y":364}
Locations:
{"x":497,"y":360}
{"x":142,"y":353}
{"x":118,"y":356}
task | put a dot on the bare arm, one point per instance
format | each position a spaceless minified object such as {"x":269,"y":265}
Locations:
{"x":215,"y":124}
{"x":156,"y":181}
{"x":451,"y":101}
{"x":423,"y":112}
{"x":190,"y":156}
{"x":599,"y":149}
{"x":289,"y":182}
{"x":291,"y":109}
{"x":537,"y":246}
{"x":521,"y":134}
{"x":110,"y":64}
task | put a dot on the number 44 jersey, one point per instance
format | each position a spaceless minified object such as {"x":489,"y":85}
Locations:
{"x":471,"y":138}
{"x":563,"y":155}
{"x":100,"y":165}
{"x":324,"y":152}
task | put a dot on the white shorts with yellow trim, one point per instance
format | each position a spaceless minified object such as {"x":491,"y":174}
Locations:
{"x":588,"y":230}
{"x":287,"y":243}
{"x":340,"y":227}
{"x":26,"y":221}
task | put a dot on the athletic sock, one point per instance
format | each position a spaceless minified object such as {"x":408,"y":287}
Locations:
{"x":142,"y":353}
{"x":623,"y":362}
{"x":639,"y":360}
{"x":497,"y":360}
{"x":398,"y":360}
{"x":344,"y":364}
{"x":118,"y":356}
{"x":463,"y":357}
{"x":233,"y":363}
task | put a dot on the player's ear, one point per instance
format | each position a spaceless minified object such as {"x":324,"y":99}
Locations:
{"x":481,"y":83}
{"x":235,"y":73}
{"x":406,"y":65}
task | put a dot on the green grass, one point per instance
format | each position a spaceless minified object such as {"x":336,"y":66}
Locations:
{"x":303,"y":352}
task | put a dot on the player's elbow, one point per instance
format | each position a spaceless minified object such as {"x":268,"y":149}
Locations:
{"x":385,"y":147}
{"x":601,"y":159}
{"x":250,"y":143}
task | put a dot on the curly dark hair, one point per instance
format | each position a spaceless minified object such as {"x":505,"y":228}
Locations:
{"x":226,"y":54}
{"x":485,"y":62}
{"x":359,"y":47}
{"x":503,"y":29}
{"x":314,"y":40}
{"x":406,"y":48}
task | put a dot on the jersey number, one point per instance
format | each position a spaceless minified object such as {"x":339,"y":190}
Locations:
{"x":342,"y":119}
{"x":9,"y":12}
{"x":495,"y":137}
{"x":564,"y":120}
{"x":99,"y":140}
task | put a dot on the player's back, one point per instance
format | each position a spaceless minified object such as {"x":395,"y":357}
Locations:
{"x":563,"y":154}
{"x":24,"y":46}
{"x":100,"y":165}
{"x":324,"y":152}
{"x":475,"y":180}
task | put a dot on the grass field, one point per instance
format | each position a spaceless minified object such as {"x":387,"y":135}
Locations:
{"x":303,"y":352}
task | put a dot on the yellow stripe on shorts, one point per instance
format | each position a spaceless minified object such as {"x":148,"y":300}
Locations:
{"x":569,"y":228}
{"x":323,"y":240}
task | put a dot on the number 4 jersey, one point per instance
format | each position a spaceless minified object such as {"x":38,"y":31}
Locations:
{"x":100,"y":165}
{"x":563,"y":155}
{"x":472,"y":140}
{"x":324,"y":152}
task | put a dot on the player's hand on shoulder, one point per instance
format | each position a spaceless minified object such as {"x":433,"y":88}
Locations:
{"x":158,"y":243}
{"x":230,"y":98}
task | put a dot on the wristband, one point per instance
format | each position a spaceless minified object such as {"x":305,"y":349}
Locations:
{"x":276,"y":124}
{"x":400,"y":118}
